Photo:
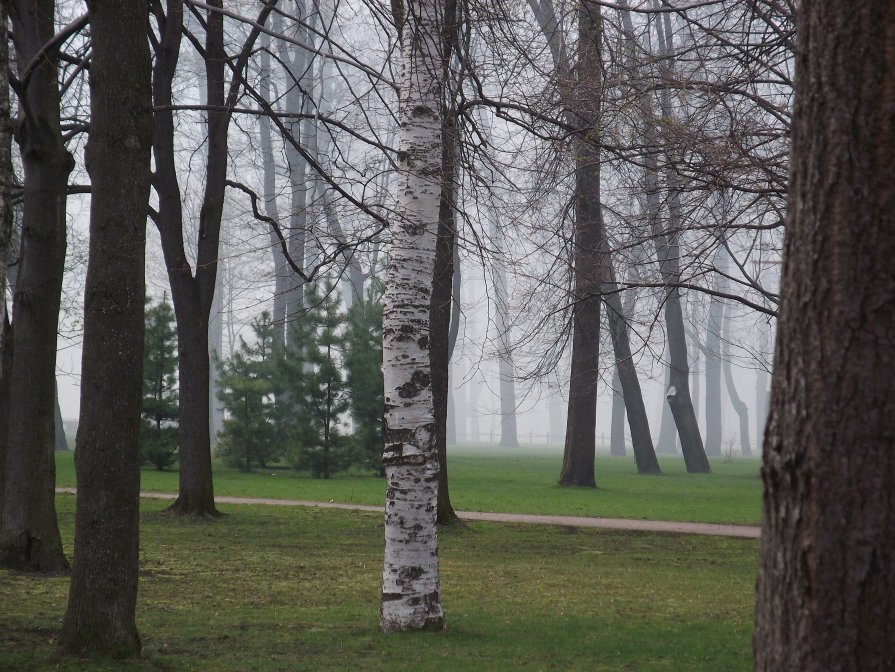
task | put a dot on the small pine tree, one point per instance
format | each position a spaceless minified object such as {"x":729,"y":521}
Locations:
{"x":158,"y":431}
{"x":363,"y":364}
{"x":312,"y":378}
{"x":246,"y":390}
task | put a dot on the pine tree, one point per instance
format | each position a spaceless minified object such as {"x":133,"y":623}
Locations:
{"x":312,"y":378}
{"x":363,"y":366}
{"x":250,"y":435}
{"x":158,"y":431}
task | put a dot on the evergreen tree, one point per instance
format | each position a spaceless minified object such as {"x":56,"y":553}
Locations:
{"x":158,"y":431}
{"x":363,"y":366}
{"x":250,"y":435}
{"x":312,"y":377}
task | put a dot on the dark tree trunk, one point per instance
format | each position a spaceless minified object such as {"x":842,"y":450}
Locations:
{"x":100,"y":619}
{"x":60,"y":442}
{"x":826,"y":581}
{"x":713,"y":429}
{"x":641,"y":440}
{"x":193,"y":294}
{"x":29,"y":533}
{"x":617,"y":433}
{"x":590,"y":258}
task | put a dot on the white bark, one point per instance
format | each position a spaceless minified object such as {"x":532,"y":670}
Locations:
{"x":410,"y":582}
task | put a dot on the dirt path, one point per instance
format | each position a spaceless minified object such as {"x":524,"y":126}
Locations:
{"x":708,"y":529}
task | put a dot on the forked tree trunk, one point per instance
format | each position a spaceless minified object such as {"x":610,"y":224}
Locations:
{"x":826,"y":580}
{"x":590,"y":258}
{"x":739,"y":406}
{"x":193,"y":292}
{"x":100,"y":618}
{"x":410,"y":580}
{"x":29,"y":533}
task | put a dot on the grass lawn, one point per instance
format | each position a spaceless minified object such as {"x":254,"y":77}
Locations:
{"x":269,"y":588}
{"x":518,"y":481}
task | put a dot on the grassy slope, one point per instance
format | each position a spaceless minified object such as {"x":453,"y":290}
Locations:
{"x":522,"y":481}
{"x":297,"y":589}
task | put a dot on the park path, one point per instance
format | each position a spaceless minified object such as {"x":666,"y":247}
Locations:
{"x":707,"y":529}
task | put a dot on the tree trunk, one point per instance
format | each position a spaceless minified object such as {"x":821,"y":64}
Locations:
{"x":826,"y":581}
{"x":29,"y":533}
{"x":591,"y":259}
{"x":713,"y":427}
{"x":60,"y":443}
{"x":100,"y":618}
{"x":271,"y":209}
{"x":410,"y":580}
{"x":741,"y":409}
{"x":668,"y":441}
{"x":632,"y":396}
{"x":506,"y":371}
{"x":440,"y":313}
{"x":7,"y":177}
{"x":617,"y":429}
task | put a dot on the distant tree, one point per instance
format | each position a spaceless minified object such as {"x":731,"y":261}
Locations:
{"x":826,"y":579}
{"x":315,"y":385}
{"x":100,"y":617}
{"x":158,"y":432}
{"x":247,"y":388}
{"x":363,"y":377}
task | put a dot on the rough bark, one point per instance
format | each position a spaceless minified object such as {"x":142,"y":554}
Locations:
{"x":410,"y":580}
{"x":100,"y":618}
{"x":590,"y":258}
{"x":29,"y":533}
{"x":826,"y":580}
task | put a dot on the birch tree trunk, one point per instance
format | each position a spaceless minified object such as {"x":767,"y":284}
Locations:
{"x":100,"y":618}
{"x":410,"y":580}
{"x":826,"y":578}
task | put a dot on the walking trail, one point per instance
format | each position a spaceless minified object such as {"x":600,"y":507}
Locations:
{"x":707,"y":529}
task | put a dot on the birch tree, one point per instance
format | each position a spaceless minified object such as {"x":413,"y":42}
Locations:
{"x":410,"y":581}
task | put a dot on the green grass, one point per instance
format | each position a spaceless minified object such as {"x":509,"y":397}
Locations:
{"x":520,"y":481}
{"x":269,"y":588}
